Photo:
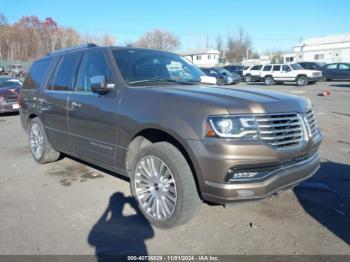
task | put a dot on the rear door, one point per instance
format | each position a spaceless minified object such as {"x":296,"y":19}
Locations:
{"x":344,"y":71}
{"x":93,"y":117}
{"x":332,"y":71}
{"x":54,"y":99}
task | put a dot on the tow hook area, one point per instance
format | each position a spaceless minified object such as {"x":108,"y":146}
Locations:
{"x":249,"y":202}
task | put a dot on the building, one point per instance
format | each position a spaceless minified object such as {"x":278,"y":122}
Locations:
{"x":328,"y":49}
{"x":262,"y":60}
{"x":203,"y":57}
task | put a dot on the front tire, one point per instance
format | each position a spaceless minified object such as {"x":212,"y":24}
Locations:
{"x":40,"y":147}
{"x":221,"y":82}
{"x":302,"y":81}
{"x":164,"y":186}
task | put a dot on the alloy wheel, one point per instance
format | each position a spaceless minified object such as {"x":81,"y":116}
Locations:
{"x":36,"y":140}
{"x":155,"y":187}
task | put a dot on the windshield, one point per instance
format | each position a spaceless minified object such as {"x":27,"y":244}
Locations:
{"x":147,"y":66}
{"x":296,"y":66}
{"x":222,"y":71}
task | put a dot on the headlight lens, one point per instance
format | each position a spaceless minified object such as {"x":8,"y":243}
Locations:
{"x":232,"y":127}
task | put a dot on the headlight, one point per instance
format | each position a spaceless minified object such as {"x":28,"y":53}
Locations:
{"x":244,"y":127}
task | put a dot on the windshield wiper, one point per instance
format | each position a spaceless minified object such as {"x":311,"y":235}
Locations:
{"x":167,"y":80}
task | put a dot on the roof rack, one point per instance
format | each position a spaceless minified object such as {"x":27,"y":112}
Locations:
{"x":77,"y":47}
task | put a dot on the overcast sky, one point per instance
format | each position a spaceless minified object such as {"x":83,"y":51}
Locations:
{"x":272,"y":24}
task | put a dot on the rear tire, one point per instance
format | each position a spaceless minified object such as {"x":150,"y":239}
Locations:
{"x":40,"y":147}
{"x":268,"y":80}
{"x":163,"y":185}
{"x":302,"y":81}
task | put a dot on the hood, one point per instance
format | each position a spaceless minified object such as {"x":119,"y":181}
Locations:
{"x":9,"y":92}
{"x":240,"y":100}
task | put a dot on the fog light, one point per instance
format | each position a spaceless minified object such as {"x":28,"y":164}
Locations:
{"x":245,"y":175}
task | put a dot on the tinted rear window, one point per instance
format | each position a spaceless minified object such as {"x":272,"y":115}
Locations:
{"x":37,"y":74}
{"x":65,"y":72}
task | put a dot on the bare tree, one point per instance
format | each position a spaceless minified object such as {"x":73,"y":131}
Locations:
{"x":108,"y":40}
{"x":159,"y":39}
{"x":239,"y":47}
{"x":220,"y":44}
{"x":30,"y":38}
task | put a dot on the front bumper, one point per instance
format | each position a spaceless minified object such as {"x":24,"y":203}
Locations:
{"x":9,"y":107}
{"x":214,"y":159}
{"x":314,"y":78}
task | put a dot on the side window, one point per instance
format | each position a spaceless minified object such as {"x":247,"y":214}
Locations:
{"x":344,"y":67}
{"x":212,"y":72}
{"x":286,"y":68}
{"x":276,"y":68}
{"x":65,"y":72}
{"x":93,"y":64}
{"x":267,"y":68}
{"x":37,"y":73}
{"x":332,"y":66}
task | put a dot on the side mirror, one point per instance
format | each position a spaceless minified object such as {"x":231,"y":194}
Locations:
{"x":98,"y":85}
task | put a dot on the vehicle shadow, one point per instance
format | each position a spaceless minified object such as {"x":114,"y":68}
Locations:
{"x":9,"y":114}
{"x":117,"y":234}
{"x":340,"y":85}
{"x":326,"y":197}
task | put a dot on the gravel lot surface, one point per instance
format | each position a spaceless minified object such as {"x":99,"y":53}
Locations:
{"x":68,"y":207}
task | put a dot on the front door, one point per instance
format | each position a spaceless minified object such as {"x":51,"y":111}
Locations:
{"x":93,"y":117}
{"x":54,"y":99}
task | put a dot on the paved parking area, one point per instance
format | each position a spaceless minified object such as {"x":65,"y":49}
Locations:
{"x":68,"y":207}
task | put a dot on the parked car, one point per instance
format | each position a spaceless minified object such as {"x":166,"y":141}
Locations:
{"x":289,"y":73}
{"x":180,"y":142}
{"x":9,"y":89}
{"x":15,"y":70}
{"x":235,"y":69}
{"x":336,"y":71}
{"x":312,"y":65}
{"x":223,"y":76}
{"x":2,"y":70}
{"x":252,"y":73}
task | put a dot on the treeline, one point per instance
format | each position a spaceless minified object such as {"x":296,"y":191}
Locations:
{"x":30,"y":38}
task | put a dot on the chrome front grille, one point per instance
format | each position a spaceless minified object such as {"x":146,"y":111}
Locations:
{"x":281,"y":130}
{"x":310,"y":117}
{"x":11,"y":100}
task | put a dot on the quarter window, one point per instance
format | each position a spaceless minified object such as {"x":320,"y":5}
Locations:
{"x":65,"y":72}
{"x":93,"y":64}
{"x":344,"y":67}
{"x":37,"y":73}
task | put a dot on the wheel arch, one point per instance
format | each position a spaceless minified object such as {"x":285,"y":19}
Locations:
{"x":153,"y":135}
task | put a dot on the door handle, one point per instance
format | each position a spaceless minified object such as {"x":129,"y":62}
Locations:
{"x":75,"y":104}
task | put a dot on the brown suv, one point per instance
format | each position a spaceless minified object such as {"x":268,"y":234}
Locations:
{"x":147,"y":115}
